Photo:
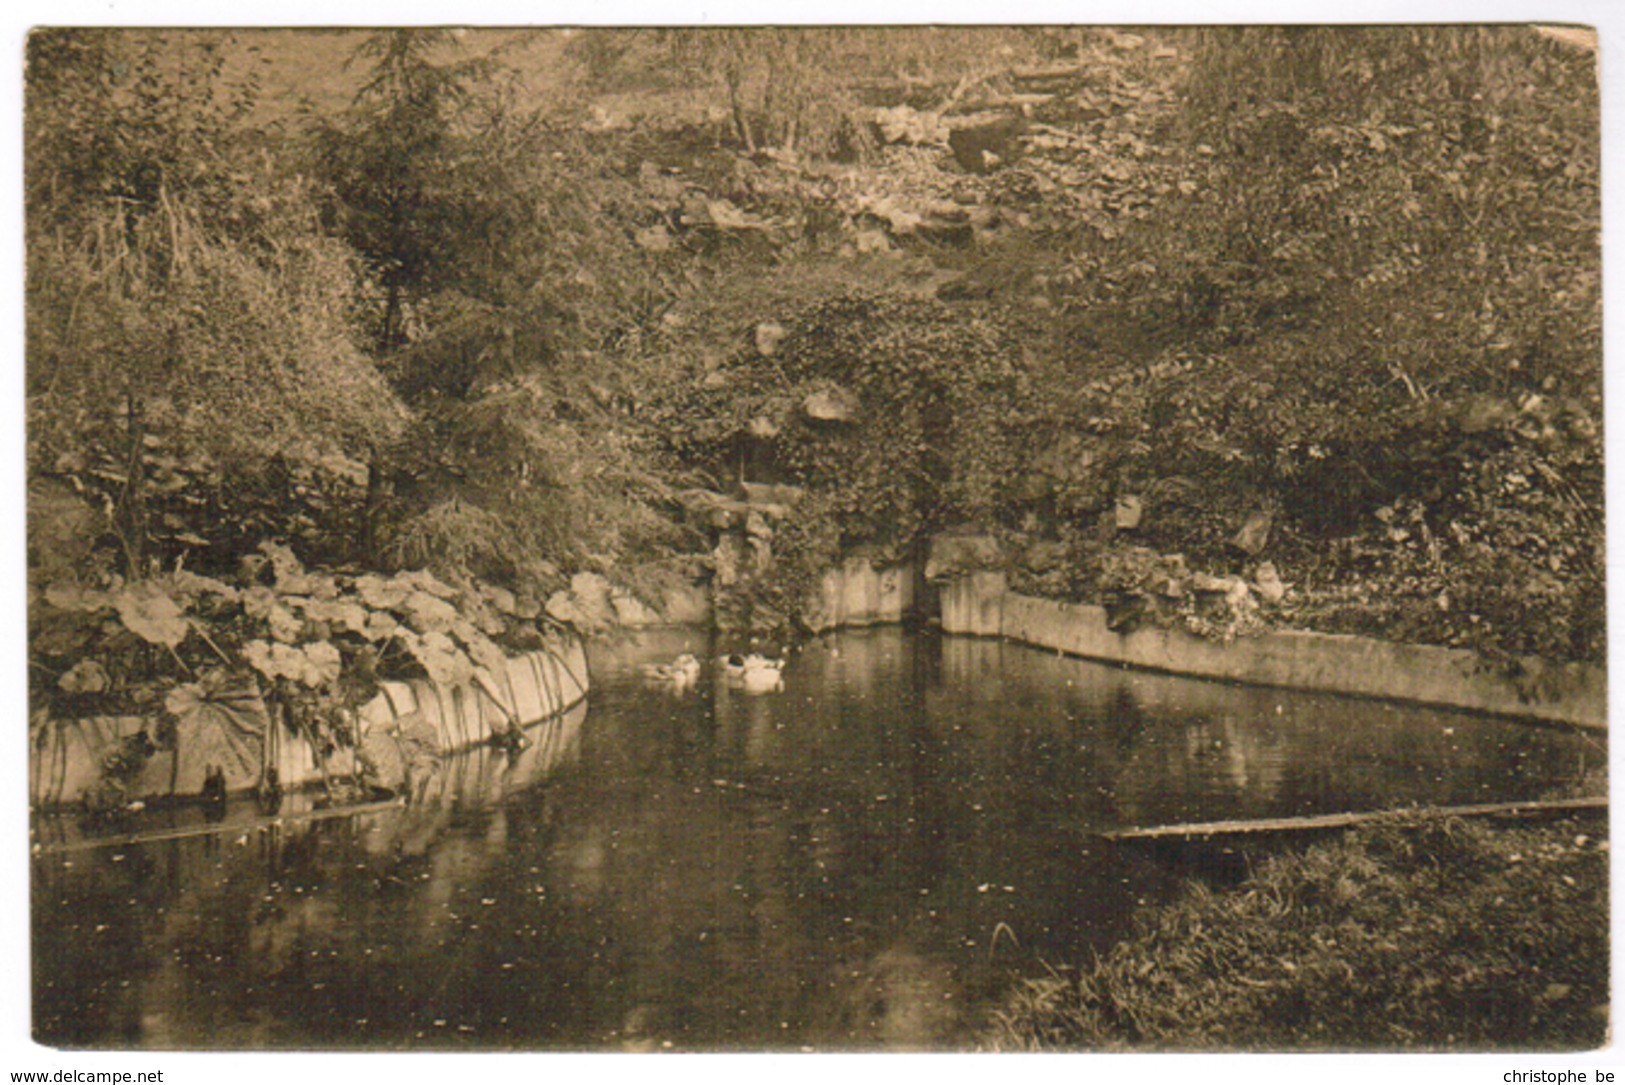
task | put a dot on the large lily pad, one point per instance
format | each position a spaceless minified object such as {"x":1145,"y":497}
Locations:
{"x":351,"y":617}
{"x":315,"y":665}
{"x":148,"y":611}
{"x":440,"y":657}
{"x":69,"y":596}
{"x":430,"y":614}
{"x":190,"y":585}
{"x":382,"y":593}
{"x":220,"y":719}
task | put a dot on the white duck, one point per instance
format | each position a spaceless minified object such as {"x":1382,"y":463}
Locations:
{"x":683,"y":671}
{"x":755,"y":673}
{"x":738,"y":666}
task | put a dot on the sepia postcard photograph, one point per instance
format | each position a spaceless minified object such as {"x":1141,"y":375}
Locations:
{"x":697,"y":538}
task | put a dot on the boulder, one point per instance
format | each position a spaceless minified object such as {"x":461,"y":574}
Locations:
{"x":1480,"y":413}
{"x":585,"y":604}
{"x":1169,"y":587}
{"x":774,"y":499}
{"x":633,"y":613}
{"x":713,"y":510}
{"x":1240,"y":597}
{"x":1255,"y":533}
{"x":769,"y":334}
{"x":761,"y":555}
{"x":1130,"y":510}
{"x":1207,"y":584}
{"x":831,"y":405}
{"x":1268,"y":582}
{"x":756,"y":525}
{"x":902,"y":124}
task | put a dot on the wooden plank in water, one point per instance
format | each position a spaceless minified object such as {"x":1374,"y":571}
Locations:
{"x":215,"y":828}
{"x":1340,"y":821}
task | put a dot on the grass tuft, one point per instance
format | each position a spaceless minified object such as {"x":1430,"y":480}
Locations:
{"x":1437,"y":934}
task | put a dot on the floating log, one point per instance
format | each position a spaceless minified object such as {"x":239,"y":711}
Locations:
{"x":216,"y":828}
{"x":1349,"y":820}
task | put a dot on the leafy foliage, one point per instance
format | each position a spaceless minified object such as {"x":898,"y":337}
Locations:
{"x":1375,"y":941}
{"x":235,"y":657}
{"x":187,"y":320}
{"x":896,"y":415}
{"x":1349,"y":304}
{"x":508,"y":327}
{"x":220,"y":718}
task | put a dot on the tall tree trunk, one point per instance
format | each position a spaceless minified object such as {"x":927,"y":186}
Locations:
{"x":379,"y":491}
{"x":737,"y":102}
{"x":390,"y":337}
{"x":132,"y":508}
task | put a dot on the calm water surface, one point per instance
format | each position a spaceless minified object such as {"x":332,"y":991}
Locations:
{"x":864,"y":860}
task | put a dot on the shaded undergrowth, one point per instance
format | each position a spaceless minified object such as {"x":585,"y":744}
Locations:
{"x":1442,"y":934}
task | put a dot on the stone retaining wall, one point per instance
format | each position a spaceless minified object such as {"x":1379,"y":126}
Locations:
{"x":536,"y":686}
{"x":858,"y":594}
{"x":1569,"y":693}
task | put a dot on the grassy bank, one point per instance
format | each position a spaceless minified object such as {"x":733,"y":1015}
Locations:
{"x":1438,"y":935}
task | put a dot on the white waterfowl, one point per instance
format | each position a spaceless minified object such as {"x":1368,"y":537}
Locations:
{"x":684,"y":670}
{"x":740,"y":666}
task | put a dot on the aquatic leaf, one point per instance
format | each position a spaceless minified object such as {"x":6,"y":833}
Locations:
{"x":62,"y":632}
{"x":147,"y":611}
{"x":321,"y":585}
{"x":220,"y":718}
{"x":424,"y":580}
{"x":258,"y":602}
{"x":501,"y":598}
{"x":475,"y":607}
{"x":283,"y":562}
{"x":85,"y":676}
{"x":443,"y":660}
{"x":262,"y":658}
{"x":380,"y":626}
{"x":285,"y":625}
{"x":381,"y":593}
{"x":430,"y":614}
{"x":314,"y":664}
{"x":486,"y":654}
{"x":191,"y":585}
{"x":323,"y":664}
{"x":348,"y":616}
{"x":291,"y":577}
{"x":67,"y":596}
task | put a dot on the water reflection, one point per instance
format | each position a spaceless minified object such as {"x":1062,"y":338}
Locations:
{"x":862,"y":860}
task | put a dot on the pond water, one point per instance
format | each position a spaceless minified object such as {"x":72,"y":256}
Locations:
{"x":864,"y":860}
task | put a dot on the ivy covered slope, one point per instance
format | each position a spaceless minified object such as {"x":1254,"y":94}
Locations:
{"x":1251,"y":327}
{"x":1379,"y":320}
